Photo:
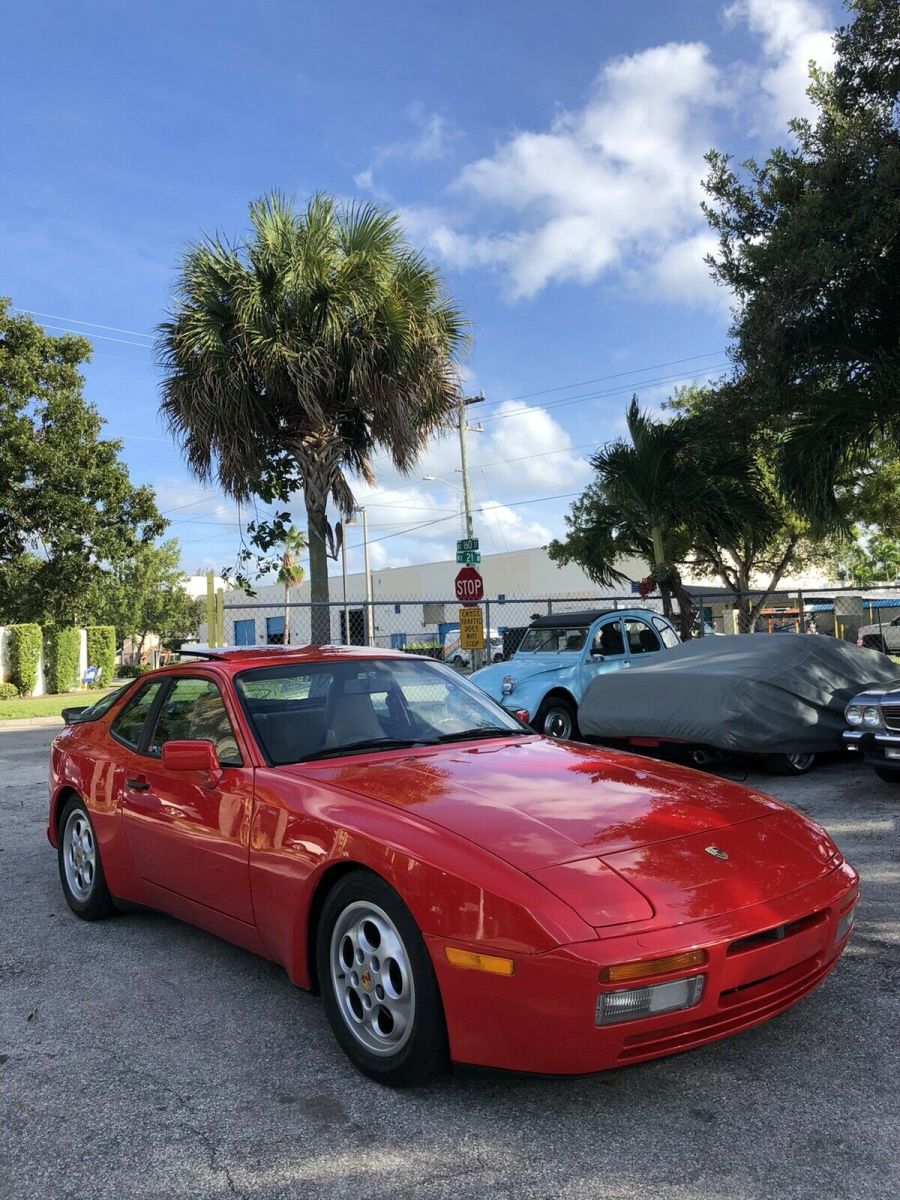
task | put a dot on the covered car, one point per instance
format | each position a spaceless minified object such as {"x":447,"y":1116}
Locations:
{"x":782,"y":697}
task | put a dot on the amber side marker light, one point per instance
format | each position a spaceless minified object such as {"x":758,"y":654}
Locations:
{"x":479,"y":962}
{"x":653,"y":966}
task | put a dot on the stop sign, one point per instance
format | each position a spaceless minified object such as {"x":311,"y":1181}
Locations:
{"x":469,"y":586}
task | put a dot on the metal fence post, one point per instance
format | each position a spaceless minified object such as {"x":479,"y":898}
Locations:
{"x":488,"y":652}
{"x":801,"y":611}
{"x":702,"y":632}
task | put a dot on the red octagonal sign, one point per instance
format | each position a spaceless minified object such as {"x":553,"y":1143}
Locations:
{"x":469,"y":586}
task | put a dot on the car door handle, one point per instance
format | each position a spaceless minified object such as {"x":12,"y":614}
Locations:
{"x":138,"y":785}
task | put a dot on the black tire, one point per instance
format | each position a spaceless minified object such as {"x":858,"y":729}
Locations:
{"x":556,"y":718}
{"x":423,"y":1053}
{"x":791,"y":764}
{"x":888,"y":774}
{"x":92,"y":901}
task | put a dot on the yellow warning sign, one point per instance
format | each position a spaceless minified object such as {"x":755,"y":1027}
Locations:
{"x":471,"y":628}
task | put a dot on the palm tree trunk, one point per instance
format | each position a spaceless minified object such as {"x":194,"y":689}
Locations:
{"x":320,"y":614}
{"x":286,"y":637}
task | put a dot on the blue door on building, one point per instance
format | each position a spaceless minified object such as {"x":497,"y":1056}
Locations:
{"x":245,"y":633}
{"x":275,"y":631}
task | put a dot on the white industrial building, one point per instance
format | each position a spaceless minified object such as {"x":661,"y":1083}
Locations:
{"x":416,"y":604}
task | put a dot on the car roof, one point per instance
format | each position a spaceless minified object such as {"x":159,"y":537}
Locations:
{"x":241,"y":657}
{"x":569,"y":619}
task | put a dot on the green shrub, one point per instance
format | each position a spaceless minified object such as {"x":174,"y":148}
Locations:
{"x":132,"y":670}
{"x":24,"y":656}
{"x":61,"y":653}
{"x":101,"y":652}
{"x":8,"y":691}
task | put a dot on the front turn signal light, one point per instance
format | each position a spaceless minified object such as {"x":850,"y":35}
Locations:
{"x":653,"y":966}
{"x":479,"y":962}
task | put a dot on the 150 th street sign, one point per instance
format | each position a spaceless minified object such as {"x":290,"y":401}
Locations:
{"x":466,"y":544}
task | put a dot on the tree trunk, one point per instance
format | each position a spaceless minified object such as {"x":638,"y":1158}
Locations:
{"x":320,"y":613}
{"x":286,"y":636}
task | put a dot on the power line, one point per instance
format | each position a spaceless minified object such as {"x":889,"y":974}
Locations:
{"x":90,"y":336}
{"x":30,"y":312}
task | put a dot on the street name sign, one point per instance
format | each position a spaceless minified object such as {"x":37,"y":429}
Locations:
{"x":468,"y":556}
{"x":467,"y":544}
{"x":471,"y":629}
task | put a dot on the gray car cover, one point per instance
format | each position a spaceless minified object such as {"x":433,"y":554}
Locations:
{"x":756,"y":693}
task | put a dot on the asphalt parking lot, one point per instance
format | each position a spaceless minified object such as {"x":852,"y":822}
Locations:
{"x":142,"y":1058}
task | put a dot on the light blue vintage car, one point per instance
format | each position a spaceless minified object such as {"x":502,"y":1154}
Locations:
{"x":561,"y":653}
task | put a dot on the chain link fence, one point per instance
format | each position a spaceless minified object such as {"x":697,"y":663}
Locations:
{"x":430,"y":625}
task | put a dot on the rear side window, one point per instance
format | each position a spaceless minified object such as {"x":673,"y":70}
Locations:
{"x":668,"y":635}
{"x":129,"y":724}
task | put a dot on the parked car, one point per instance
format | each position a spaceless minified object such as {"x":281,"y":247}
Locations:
{"x":781,"y":698}
{"x":562,"y":653}
{"x":873,"y":717}
{"x":455,"y":886}
{"x":884,"y":637}
{"x":458,"y":657}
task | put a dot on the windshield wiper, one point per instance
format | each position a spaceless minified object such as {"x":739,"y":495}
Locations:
{"x":384,"y":743}
{"x":482,"y":731}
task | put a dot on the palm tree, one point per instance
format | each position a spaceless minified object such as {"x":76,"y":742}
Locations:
{"x":290,"y":573}
{"x":294,"y":354}
{"x":669,"y":486}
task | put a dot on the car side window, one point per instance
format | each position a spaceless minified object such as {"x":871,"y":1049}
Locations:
{"x":608,"y":640}
{"x":641,"y":638}
{"x":668,"y":635}
{"x":194,"y":711}
{"x":129,"y":724}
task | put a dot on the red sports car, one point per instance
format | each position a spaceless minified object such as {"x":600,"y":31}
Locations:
{"x":454,"y":885}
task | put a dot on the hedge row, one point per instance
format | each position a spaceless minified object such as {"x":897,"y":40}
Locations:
{"x":24,"y":656}
{"x":101,"y":652}
{"x":61,"y":653}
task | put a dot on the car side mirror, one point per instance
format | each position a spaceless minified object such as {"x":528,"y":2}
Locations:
{"x":190,"y":756}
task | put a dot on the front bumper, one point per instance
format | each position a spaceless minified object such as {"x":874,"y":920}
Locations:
{"x":541,"y":1019}
{"x":879,"y":747}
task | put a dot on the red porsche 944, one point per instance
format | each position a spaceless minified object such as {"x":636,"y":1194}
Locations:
{"x":455,"y":886}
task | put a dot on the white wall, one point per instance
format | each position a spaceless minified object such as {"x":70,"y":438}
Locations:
{"x":41,"y":686}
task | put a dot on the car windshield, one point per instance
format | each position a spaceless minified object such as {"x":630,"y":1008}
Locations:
{"x":555,"y":640}
{"x":99,"y":708}
{"x":305,"y":711}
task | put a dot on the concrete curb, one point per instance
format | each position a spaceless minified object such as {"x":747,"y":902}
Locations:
{"x":31,"y":722}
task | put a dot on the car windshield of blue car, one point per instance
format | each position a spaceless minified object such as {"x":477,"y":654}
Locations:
{"x":302,"y":711}
{"x":553,"y":641}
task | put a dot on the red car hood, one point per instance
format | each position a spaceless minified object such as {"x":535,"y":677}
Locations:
{"x":536,"y":803}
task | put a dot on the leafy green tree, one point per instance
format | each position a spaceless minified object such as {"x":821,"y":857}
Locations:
{"x":295,"y":354}
{"x":870,"y":560}
{"x":750,"y":557}
{"x":67,"y":506}
{"x":659,"y":493}
{"x":290,"y":573}
{"x":146,"y":594}
{"x":810,"y":250}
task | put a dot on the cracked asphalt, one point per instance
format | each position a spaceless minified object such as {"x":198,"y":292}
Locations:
{"x":142,"y":1058}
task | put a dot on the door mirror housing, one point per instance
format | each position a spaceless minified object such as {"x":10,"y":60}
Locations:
{"x":189,"y":756}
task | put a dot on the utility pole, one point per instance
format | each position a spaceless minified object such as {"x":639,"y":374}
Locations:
{"x":463,"y":458}
{"x":370,"y":611}
{"x":464,"y":402}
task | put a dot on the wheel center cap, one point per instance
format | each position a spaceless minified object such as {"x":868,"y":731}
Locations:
{"x":366,"y":979}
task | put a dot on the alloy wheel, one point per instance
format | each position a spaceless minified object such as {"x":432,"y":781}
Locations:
{"x":372,"y":978}
{"x":79,"y":856}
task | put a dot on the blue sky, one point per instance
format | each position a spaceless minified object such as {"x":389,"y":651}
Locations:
{"x":548,"y":159}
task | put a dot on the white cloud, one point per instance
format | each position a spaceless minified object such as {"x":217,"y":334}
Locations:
{"x":617,"y":181}
{"x":612,"y":190}
{"x":432,"y":140}
{"x":793,"y":33}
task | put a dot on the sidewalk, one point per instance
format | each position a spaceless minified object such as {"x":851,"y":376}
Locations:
{"x":30,"y":722}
